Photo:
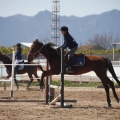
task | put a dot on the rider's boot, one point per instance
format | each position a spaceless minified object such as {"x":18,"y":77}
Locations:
{"x":69,"y":66}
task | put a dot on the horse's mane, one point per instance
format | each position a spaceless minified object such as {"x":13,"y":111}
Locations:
{"x":51,"y":48}
{"x":50,"y":45}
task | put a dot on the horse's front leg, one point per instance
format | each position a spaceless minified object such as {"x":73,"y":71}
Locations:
{"x":5,"y":82}
{"x":47,"y":73}
{"x":8,"y":77}
{"x":16,"y":82}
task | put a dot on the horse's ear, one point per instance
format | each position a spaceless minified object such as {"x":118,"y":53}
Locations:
{"x":35,"y":41}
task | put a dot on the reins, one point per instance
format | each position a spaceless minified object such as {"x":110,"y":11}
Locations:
{"x":34,"y":55}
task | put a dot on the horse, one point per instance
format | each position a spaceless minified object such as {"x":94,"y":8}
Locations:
{"x":30,"y":70}
{"x":98,"y":64}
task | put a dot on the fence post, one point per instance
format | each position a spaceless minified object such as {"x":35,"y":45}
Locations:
{"x":12,"y":77}
{"x":62,"y":77}
{"x":47,"y":86}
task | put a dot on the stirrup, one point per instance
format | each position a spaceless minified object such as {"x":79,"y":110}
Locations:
{"x":69,"y":70}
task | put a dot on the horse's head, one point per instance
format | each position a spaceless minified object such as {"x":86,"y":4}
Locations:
{"x":0,"y":56}
{"x":35,"y":50}
{"x":4,"y":57}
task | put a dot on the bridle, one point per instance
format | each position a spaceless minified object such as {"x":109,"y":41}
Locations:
{"x":36,"y":54}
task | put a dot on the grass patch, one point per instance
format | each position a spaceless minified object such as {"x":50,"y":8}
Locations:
{"x":76,"y":84}
{"x":2,"y":84}
{"x":20,"y":84}
{"x":32,"y":84}
{"x":57,"y":83}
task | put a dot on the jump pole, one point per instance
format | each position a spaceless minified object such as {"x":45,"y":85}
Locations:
{"x":61,"y":82}
{"x":61,"y":87}
{"x":12,"y":77}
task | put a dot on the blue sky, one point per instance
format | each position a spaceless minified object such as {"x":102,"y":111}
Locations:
{"x":68,"y":7}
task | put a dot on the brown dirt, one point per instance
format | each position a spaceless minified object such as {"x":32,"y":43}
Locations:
{"x":91,"y":105}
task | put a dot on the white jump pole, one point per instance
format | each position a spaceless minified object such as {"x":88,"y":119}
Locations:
{"x":12,"y":77}
{"x":55,"y":87}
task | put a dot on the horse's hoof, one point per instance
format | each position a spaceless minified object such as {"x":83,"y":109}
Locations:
{"x":118,"y":100}
{"x":41,"y":84}
{"x":41,"y":87}
{"x":110,"y":106}
{"x":27,"y":89}
{"x":5,"y":89}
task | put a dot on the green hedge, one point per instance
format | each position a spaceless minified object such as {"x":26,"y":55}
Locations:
{"x":7,"y":50}
{"x":90,"y":52}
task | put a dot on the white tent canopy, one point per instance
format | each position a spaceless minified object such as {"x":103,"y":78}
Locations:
{"x":29,"y":44}
{"x":26,"y":44}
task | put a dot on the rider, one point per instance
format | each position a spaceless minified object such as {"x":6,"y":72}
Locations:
{"x":18,"y":56}
{"x":69,"y":42}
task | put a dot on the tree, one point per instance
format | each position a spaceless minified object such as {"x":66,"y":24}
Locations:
{"x":7,"y":50}
{"x":104,"y":41}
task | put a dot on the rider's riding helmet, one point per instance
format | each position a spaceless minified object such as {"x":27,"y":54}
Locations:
{"x":18,"y":44}
{"x":64,"y":28}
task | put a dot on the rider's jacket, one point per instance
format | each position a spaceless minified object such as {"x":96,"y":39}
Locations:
{"x":69,"y":41}
{"x":18,"y":54}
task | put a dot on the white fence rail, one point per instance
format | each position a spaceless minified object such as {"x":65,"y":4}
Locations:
{"x":91,"y":76}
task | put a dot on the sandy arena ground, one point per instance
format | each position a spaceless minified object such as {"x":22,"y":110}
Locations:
{"x":91,"y":105}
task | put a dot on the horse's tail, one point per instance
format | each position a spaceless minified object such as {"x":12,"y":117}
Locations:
{"x":110,"y":68}
{"x":40,"y":67}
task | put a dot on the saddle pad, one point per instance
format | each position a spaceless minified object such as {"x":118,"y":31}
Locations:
{"x":79,"y":60}
{"x":21,"y":65}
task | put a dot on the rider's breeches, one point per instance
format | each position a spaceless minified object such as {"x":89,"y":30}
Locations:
{"x":16,"y":62}
{"x":72,"y":52}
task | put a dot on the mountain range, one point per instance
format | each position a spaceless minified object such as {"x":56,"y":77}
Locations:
{"x":21,"y":28}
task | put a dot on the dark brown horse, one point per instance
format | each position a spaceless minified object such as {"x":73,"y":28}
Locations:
{"x":97,"y":64}
{"x":31,"y":70}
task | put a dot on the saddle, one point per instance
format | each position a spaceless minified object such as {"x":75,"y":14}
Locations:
{"x":78,"y":60}
{"x":21,"y":65}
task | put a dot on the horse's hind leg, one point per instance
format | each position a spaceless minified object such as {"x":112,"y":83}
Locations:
{"x":38,"y":79}
{"x":107,"y":94}
{"x":31,"y":80}
{"x":4,"y":85}
{"x":105,"y":84}
{"x":16,"y":82}
{"x":111,"y":84}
